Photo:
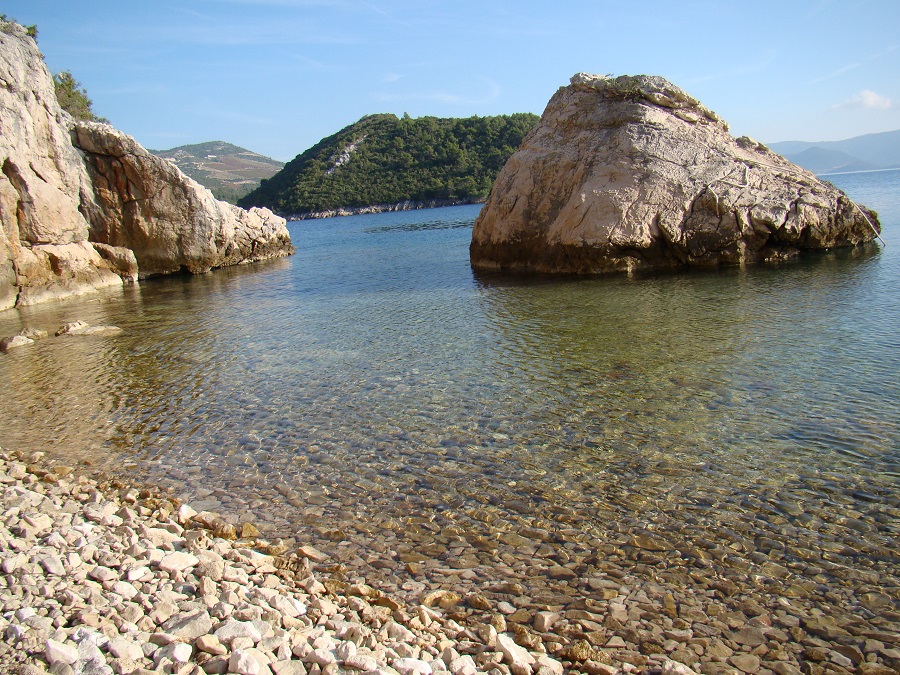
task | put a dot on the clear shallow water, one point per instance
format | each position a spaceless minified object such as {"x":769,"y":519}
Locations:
{"x":373,"y":384}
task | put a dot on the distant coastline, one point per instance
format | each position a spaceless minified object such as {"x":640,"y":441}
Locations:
{"x":408,"y":205}
{"x":869,"y":152}
{"x":847,"y":173}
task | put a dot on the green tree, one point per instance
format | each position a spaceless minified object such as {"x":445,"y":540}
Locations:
{"x":31,"y":31}
{"x":383,"y":159}
{"x":73,"y":98}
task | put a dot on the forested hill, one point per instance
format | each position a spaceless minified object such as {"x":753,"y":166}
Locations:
{"x":383,"y":159}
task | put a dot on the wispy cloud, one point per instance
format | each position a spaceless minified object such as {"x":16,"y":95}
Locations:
{"x":759,"y":63}
{"x":853,"y":66}
{"x":836,"y":73}
{"x":866,"y":99}
{"x":391,"y":77}
{"x":375,"y":9}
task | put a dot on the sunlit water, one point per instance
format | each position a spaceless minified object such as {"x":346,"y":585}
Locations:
{"x":375,"y":383}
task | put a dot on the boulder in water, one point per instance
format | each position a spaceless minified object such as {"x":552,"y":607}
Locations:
{"x":631,"y":173}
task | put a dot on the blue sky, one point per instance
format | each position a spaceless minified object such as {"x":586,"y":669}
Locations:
{"x":276,"y":76}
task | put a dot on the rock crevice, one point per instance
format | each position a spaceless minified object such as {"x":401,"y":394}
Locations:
{"x":631,"y":173}
{"x":84,"y":206}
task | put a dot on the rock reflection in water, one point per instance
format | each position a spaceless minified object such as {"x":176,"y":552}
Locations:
{"x":424,"y":426}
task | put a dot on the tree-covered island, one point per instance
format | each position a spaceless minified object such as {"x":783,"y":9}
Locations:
{"x":383,"y":160}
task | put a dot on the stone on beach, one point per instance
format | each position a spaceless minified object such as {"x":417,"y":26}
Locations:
{"x":57,"y":652}
{"x":518,"y":658}
{"x":178,"y":561}
{"x":409,"y":666}
{"x":211,"y":645}
{"x":232,"y":629}
{"x":119,"y":607}
{"x":189,"y":626}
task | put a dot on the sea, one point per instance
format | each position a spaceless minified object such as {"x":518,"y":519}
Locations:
{"x":375,"y":388}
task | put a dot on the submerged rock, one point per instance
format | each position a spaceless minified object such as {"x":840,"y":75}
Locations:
{"x":82,"y":328}
{"x":83,"y":206}
{"x":632,"y":173}
{"x":15,"y":341}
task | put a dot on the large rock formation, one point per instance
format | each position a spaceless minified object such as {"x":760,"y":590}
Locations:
{"x":170,"y":221}
{"x":83,"y":206}
{"x":631,"y":173}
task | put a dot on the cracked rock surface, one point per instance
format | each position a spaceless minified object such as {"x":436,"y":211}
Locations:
{"x":631,"y":173}
{"x":84,"y":206}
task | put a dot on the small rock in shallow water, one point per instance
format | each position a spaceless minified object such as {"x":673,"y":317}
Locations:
{"x":312,"y":553}
{"x":441,"y":598}
{"x":749,"y":636}
{"x":71,"y":327}
{"x":15,"y":341}
{"x":33,"y":333}
{"x":746,"y":663}
{"x":249,"y":530}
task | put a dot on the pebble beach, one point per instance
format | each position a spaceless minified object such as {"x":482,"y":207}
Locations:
{"x":99,"y":576}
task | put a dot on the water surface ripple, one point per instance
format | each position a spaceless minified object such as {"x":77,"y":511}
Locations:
{"x":373,"y":390}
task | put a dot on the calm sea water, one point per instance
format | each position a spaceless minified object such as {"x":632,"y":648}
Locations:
{"x":374,"y":372}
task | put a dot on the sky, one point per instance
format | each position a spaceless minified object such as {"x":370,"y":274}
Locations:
{"x":277,"y":76}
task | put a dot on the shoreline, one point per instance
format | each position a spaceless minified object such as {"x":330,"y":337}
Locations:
{"x":634,"y":625}
{"x":408,"y":205}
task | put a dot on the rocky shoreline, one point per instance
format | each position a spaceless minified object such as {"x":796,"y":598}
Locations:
{"x":106,"y":577}
{"x":380,"y":208}
{"x":84,"y":207}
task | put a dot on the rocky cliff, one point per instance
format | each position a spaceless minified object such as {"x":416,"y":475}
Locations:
{"x":83,"y":206}
{"x":631,"y":173}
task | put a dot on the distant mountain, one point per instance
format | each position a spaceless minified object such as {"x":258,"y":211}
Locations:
{"x":861,"y":153}
{"x":228,"y":170}
{"x":821,"y":160}
{"x":383,"y":161}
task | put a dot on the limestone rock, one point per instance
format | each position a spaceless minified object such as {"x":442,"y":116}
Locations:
{"x":144,"y":203}
{"x":58,"y":652}
{"x":517,"y":657}
{"x":33,"y":333}
{"x":44,"y":249}
{"x":232,"y":629}
{"x":189,"y":626}
{"x":82,"y":328}
{"x":122,"y":259}
{"x":82,"y":205}
{"x":675,"y":668}
{"x":178,"y":561}
{"x":15,"y":341}
{"x":631,"y":173}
